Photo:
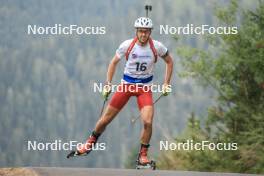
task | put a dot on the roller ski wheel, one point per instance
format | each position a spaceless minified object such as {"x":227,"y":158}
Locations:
{"x":75,"y":153}
{"x":151,"y":165}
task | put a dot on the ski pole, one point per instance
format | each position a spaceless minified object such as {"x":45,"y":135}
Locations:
{"x":133,"y":120}
{"x":102,"y":109}
{"x":105,"y":99}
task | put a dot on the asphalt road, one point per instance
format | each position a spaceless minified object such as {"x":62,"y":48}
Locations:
{"x":60,"y":171}
{"x":49,"y":171}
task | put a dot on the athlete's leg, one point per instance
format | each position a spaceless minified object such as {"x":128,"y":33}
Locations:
{"x":117,"y":102}
{"x":145,"y":104}
{"x":146,"y":112}
{"x":109,"y":114}
{"x":147,"y":119}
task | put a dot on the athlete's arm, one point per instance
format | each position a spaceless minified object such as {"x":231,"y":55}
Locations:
{"x":112,"y":68}
{"x":169,"y":68}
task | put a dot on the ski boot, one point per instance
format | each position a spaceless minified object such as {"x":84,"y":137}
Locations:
{"x":142,"y":161}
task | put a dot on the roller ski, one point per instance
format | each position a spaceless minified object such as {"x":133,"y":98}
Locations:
{"x":151,"y":165}
{"x":84,"y":149}
{"x":74,"y":153}
{"x":142,"y":161}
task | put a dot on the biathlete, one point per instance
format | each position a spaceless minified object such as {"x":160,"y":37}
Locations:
{"x":141,"y":54}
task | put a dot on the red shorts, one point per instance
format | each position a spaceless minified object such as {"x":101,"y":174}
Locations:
{"x":125,"y":91}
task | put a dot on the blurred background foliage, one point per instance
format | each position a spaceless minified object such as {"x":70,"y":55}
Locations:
{"x":46,"y":82}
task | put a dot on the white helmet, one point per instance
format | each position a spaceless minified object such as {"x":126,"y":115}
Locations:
{"x":143,"y":22}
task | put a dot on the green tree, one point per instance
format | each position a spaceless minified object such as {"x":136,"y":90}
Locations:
{"x":233,"y":66}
